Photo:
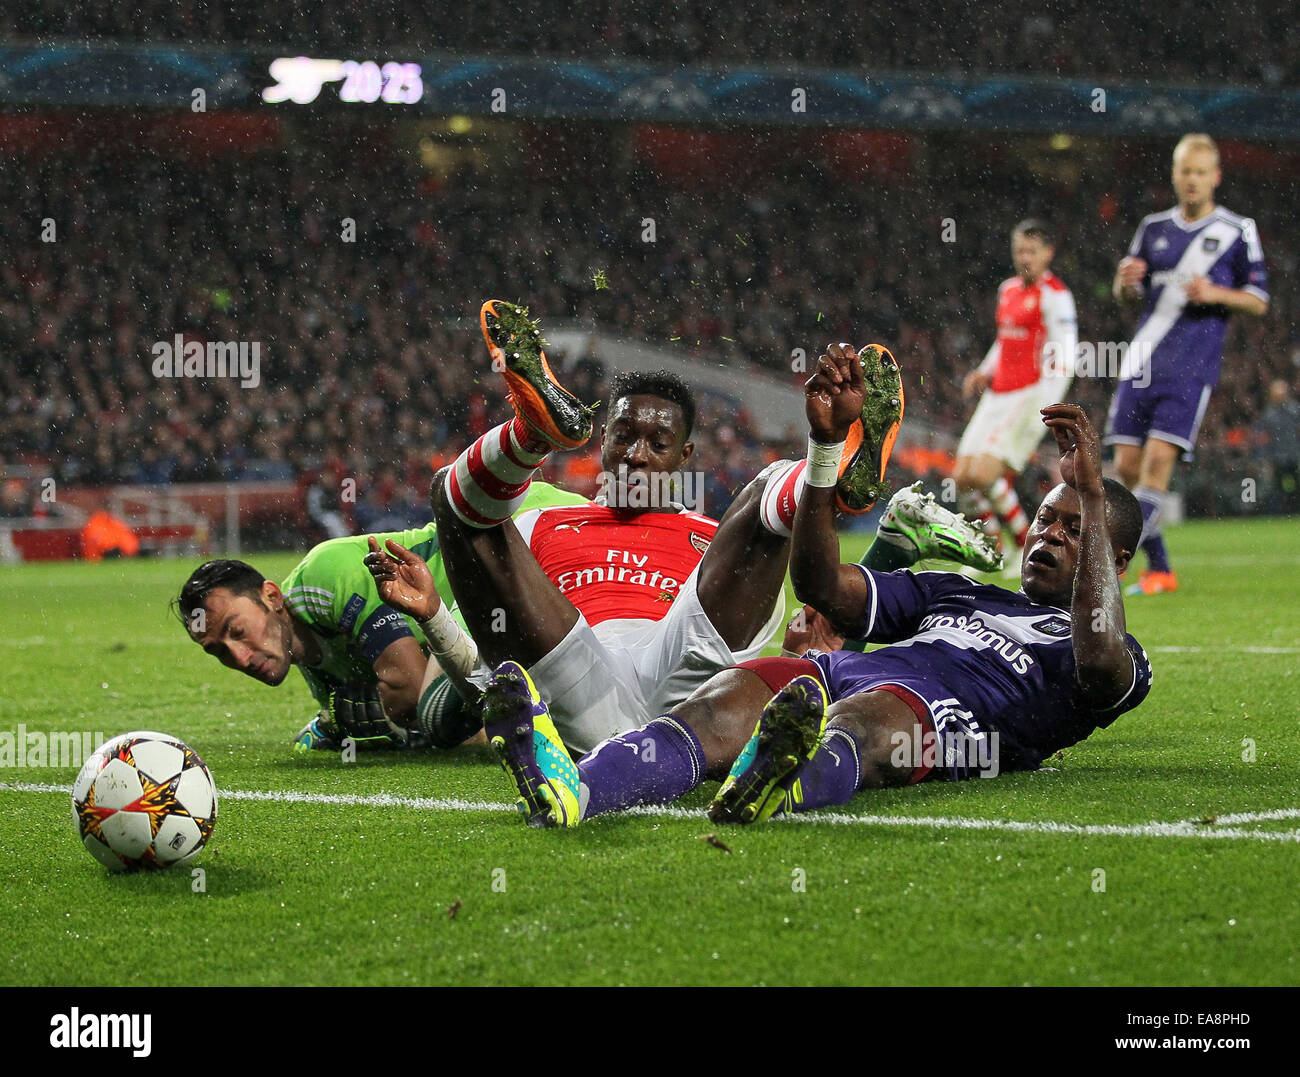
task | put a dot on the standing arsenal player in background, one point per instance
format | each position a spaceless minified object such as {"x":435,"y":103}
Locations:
{"x":1192,"y":267}
{"x":1029,"y":366}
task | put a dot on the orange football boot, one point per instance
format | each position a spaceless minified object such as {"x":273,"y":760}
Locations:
{"x":871,"y":439}
{"x":515,"y":344}
{"x":1154,"y":583}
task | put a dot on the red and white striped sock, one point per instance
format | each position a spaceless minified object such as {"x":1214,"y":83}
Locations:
{"x":785,"y":483}
{"x":1007,"y":505}
{"x":977,"y":509}
{"x":489,"y":480}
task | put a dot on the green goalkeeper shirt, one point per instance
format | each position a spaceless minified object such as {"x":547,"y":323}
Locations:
{"x":333,"y":593}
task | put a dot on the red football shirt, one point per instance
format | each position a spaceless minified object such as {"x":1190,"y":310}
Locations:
{"x":1028,"y":316}
{"x":617,"y":564}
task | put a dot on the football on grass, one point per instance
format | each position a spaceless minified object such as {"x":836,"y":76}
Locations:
{"x":144,"y":800}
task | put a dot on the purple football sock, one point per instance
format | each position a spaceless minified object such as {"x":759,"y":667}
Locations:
{"x":1157,"y":556}
{"x":655,"y":764}
{"x":1152,"y":542}
{"x":832,"y":775}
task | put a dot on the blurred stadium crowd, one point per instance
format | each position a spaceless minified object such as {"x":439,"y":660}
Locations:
{"x":372,"y":365}
{"x":1259,"y":44}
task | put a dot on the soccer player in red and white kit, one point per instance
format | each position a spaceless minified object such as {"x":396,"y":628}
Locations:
{"x":1029,"y":366}
{"x":615,"y":612}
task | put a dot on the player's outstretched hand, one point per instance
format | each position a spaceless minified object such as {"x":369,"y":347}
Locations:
{"x":809,"y":629}
{"x":833,"y":396}
{"x":975,"y":383}
{"x":403,"y":579}
{"x":1201,"y":291}
{"x":1131,"y":272}
{"x":1080,"y":447}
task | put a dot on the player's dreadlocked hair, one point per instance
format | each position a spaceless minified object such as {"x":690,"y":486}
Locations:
{"x":235,"y":576}
{"x":660,"y":383}
{"x":1123,"y":515}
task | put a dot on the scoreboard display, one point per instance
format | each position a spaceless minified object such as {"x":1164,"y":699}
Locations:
{"x":303,"y":79}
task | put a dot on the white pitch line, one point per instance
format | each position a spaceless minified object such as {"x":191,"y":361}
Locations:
{"x":1257,"y":816}
{"x":1184,"y":829}
{"x":1221,"y":828}
{"x":373,"y":800}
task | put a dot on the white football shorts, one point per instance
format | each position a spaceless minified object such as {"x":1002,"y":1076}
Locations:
{"x":622,"y":673}
{"x":1008,"y":426}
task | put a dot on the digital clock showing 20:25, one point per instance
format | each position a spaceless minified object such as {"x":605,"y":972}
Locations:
{"x":301,"y":79}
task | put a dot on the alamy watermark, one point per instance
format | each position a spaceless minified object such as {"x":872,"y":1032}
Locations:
{"x":972,"y":753}
{"x":179,"y":358}
{"x":1102,"y":359}
{"x":646,"y":490}
{"x":35,"y":748}
{"x":113,"y":1030}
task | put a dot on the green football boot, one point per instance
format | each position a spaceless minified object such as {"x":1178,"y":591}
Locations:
{"x":763,"y":778}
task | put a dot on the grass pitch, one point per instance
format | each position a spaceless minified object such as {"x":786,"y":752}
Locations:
{"x":417,"y":871}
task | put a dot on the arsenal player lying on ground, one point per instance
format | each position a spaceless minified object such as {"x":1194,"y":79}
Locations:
{"x":976,"y":680}
{"x":619,"y":610}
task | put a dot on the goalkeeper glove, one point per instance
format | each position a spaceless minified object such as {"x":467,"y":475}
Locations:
{"x":354,"y":713}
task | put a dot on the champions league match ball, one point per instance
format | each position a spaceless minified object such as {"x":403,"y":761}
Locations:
{"x":144,"y":800}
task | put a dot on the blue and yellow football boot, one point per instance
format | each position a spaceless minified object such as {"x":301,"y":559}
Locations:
{"x":521,"y":732}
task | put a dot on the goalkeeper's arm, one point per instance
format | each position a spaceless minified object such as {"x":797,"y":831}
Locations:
{"x":400,"y":670}
{"x":448,"y":713}
{"x":447,"y":710}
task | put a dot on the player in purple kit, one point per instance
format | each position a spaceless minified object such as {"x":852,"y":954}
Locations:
{"x":975,"y":679}
{"x":1193,"y":266}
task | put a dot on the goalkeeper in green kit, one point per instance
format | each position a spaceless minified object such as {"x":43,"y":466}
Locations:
{"x":367,"y":665}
